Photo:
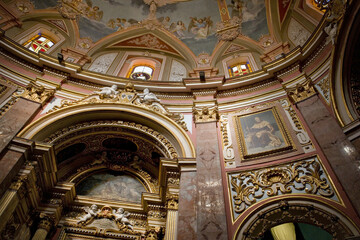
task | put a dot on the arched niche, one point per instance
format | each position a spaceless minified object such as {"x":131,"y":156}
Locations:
{"x":167,"y":129}
{"x":343,"y":59}
{"x":102,"y":183}
{"x":308,"y":211}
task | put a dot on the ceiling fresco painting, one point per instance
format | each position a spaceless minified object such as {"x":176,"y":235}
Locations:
{"x":253,"y":14}
{"x":192,"y":21}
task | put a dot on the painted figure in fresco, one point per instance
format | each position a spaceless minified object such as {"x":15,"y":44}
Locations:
{"x":122,"y":216}
{"x":90,"y":213}
{"x":237,"y":8}
{"x":261,"y":135}
{"x":200,"y":27}
{"x":178,"y":29}
{"x":108,"y":91}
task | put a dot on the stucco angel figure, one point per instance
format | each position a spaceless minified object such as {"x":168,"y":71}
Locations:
{"x":108,"y":91}
{"x":148,"y":97}
{"x":90,"y":213}
{"x":122,"y":216}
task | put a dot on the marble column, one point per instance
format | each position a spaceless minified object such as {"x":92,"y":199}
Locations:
{"x":211,"y":219}
{"x":43,"y":229}
{"x":341,"y":154}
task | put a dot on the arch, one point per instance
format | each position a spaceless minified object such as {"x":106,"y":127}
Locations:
{"x":70,"y":116}
{"x":341,"y":67}
{"x":304,"y":210}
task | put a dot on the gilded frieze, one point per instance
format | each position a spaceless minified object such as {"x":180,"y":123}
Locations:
{"x":323,"y":87}
{"x":298,"y":128}
{"x":301,"y":177}
{"x":228,"y":150}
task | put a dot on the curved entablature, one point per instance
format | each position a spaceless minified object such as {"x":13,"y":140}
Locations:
{"x":124,"y":110}
{"x":270,"y":69}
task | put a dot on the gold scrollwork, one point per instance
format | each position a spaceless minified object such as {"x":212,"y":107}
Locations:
{"x":205,"y":114}
{"x":301,"y":91}
{"x":306,"y":176}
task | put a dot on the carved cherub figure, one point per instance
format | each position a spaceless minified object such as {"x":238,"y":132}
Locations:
{"x":90,"y":213}
{"x":108,"y":91}
{"x":148,"y":97}
{"x":122,"y":216}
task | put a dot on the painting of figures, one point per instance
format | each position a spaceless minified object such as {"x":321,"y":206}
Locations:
{"x":112,"y":186}
{"x":262,"y":133}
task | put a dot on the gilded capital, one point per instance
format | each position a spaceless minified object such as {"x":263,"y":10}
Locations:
{"x":301,"y":91}
{"x":36,"y":93}
{"x":205,"y":114}
{"x":172,"y":201}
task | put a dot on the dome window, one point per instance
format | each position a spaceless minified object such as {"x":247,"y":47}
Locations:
{"x":39,"y":43}
{"x":239,"y":69}
{"x":142,"y":72}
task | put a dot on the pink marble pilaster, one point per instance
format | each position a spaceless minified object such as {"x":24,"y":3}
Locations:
{"x":15,"y":119}
{"x":341,"y":154}
{"x":187,"y":225}
{"x":211,"y":218}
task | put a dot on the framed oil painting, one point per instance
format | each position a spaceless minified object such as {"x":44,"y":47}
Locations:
{"x":262,"y":133}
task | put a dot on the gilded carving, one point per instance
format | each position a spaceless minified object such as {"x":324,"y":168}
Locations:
{"x":120,"y":216}
{"x":323,"y":87}
{"x":110,"y":95}
{"x":228,"y":150}
{"x":337,"y":9}
{"x":172,"y":201}
{"x":152,"y":233}
{"x":36,"y":93}
{"x":205,"y":114}
{"x":305,"y":176}
{"x":301,"y":133}
{"x":301,"y":91}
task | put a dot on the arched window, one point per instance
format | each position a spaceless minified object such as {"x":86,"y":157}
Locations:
{"x":239,"y":69}
{"x":321,"y":4}
{"x":39,"y":43}
{"x":141,"y":72}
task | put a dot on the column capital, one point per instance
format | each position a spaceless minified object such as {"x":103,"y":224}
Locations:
{"x":301,"y":91}
{"x":36,"y":93}
{"x":205,"y":114}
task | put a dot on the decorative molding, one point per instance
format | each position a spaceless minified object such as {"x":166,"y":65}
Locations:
{"x":228,"y":150}
{"x":301,"y":91}
{"x":291,"y":211}
{"x":300,"y":132}
{"x":229,"y":30}
{"x":205,"y":114}
{"x":36,"y":93}
{"x":114,"y":123}
{"x":305,"y":176}
{"x":146,"y":100}
{"x":323,"y":87}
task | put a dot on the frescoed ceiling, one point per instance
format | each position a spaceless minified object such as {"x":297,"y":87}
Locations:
{"x":191,"y":21}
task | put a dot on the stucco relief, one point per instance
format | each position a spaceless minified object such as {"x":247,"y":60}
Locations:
{"x":102,"y":63}
{"x":178,"y":71}
{"x":297,"y":34}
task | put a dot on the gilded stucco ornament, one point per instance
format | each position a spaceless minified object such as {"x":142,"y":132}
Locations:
{"x":306,"y":176}
{"x":205,"y":114}
{"x":120,"y":216}
{"x":36,"y":93}
{"x":129,"y":96}
{"x":301,"y":91}
{"x":228,"y":150}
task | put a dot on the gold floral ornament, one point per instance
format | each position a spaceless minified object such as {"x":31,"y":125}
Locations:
{"x":301,"y":91}
{"x":36,"y":93}
{"x":306,"y":176}
{"x":205,"y":114}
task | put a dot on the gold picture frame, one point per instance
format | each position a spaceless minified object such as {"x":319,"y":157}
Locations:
{"x":262,"y":133}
